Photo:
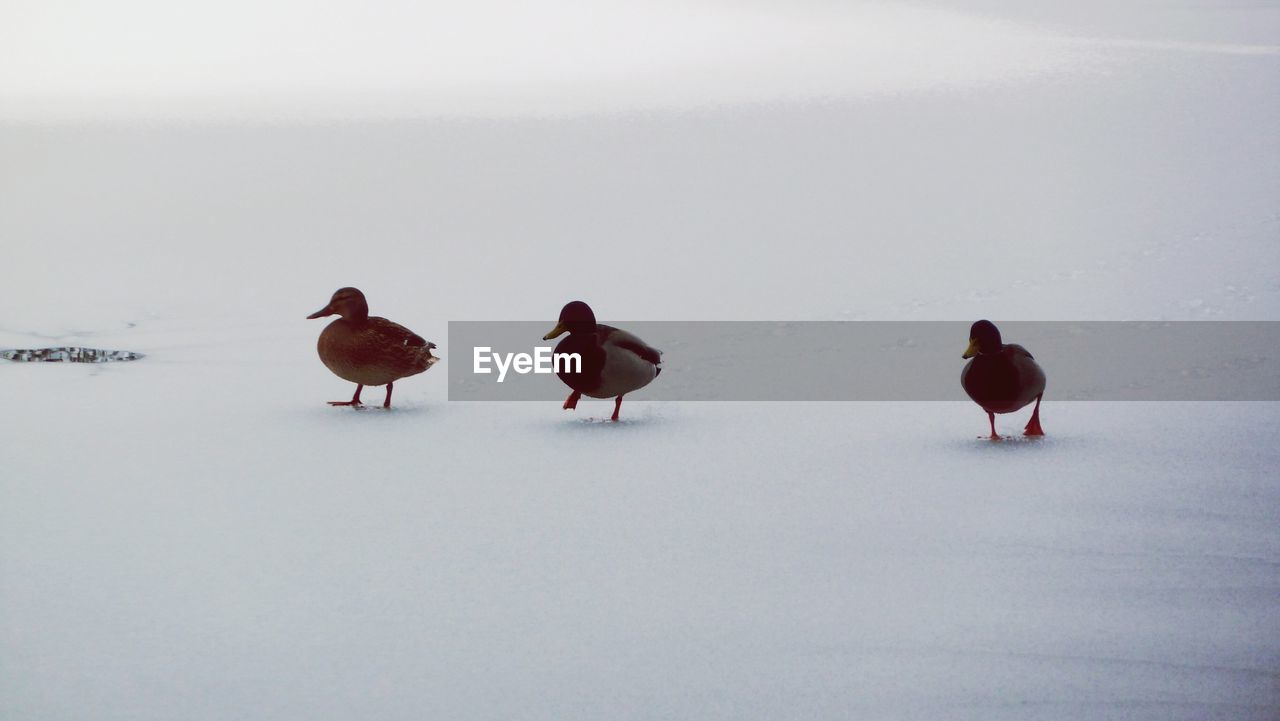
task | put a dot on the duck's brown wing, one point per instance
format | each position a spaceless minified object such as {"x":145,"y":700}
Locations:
{"x":400,"y":351}
{"x":389,"y":334}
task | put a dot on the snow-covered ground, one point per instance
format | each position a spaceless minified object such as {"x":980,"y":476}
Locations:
{"x":196,"y":535}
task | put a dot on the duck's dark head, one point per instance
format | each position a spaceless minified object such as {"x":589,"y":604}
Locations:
{"x":346,"y":302}
{"x":984,"y":337}
{"x":575,"y":317}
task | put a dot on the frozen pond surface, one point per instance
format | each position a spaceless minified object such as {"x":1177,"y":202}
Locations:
{"x":231,"y":546}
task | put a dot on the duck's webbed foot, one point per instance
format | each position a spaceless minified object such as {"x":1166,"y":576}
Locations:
{"x":1033,"y":425}
{"x":355,"y":400}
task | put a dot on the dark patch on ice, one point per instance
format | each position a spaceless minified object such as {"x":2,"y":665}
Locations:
{"x":69,"y":354}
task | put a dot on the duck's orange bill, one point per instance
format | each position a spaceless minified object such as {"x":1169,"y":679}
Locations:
{"x":972,"y":350}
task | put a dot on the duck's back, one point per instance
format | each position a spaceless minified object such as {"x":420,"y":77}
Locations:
{"x":373,"y":352}
{"x":1003,"y":382}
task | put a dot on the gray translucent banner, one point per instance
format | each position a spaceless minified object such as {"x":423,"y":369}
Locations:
{"x":893,"y":360}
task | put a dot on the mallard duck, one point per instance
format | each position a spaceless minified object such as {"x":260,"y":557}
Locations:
{"x":368,"y":350}
{"x":1000,"y":377}
{"x":614,"y":362}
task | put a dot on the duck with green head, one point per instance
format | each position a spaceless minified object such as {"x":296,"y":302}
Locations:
{"x":614,"y":362}
{"x":1001,"y":377}
{"x":368,"y":350}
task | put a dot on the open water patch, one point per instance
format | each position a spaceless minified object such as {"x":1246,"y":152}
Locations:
{"x":69,"y":354}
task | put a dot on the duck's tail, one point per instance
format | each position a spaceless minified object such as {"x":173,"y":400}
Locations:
{"x":425,"y":357}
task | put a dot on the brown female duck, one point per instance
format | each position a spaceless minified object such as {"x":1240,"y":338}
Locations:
{"x":614,"y":362}
{"x":1000,"y":377}
{"x":368,"y":350}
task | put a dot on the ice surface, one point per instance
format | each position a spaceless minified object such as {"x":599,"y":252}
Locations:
{"x":198,"y":536}
{"x":229,"y":546}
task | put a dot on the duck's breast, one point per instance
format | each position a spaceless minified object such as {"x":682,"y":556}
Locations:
{"x":585,"y":376}
{"x":1003,"y":382}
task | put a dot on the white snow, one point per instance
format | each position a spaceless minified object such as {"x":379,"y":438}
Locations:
{"x":196,"y":535}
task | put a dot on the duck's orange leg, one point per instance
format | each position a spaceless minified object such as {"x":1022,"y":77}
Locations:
{"x":355,"y":400}
{"x":617,"y":406}
{"x":387,"y":402}
{"x":1033,"y":425}
{"x":991,"y":417}
{"x":571,"y":402}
